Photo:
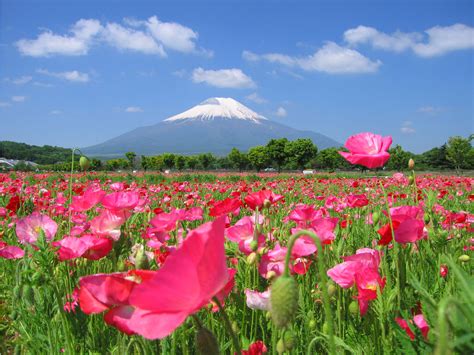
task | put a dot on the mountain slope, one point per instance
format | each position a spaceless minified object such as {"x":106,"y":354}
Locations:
{"x":216,"y":126}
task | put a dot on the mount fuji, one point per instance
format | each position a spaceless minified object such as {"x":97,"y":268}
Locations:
{"x":216,"y":125}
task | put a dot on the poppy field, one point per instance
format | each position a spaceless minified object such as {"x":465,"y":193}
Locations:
{"x":251,"y":264}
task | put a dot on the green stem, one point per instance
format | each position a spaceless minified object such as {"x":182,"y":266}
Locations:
{"x":322,"y":275}
{"x":228,"y":326}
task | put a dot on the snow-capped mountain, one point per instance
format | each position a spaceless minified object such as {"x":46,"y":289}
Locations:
{"x":216,"y":125}
{"x":218,"y":108}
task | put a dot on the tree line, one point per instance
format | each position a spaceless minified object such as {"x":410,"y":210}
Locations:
{"x":281,"y":154}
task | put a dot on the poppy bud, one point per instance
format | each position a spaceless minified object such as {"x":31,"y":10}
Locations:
{"x":427,"y":218}
{"x":29,"y":295}
{"x":284,"y":300}
{"x":84,"y":163}
{"x":206,"y":342}
{"x":121,"y":266}
{"x":375,"y":217}
{"x":141,"y":260}
{"x":254,"y":245}
{"x":235,"y":327}
{"x":411,"y":164}
{"x":289,"y":340}
{"x":354,"y":308}
{"x":411,"y":179}
{"x":464,"y":258}
{"x":312,"y":324}
{"x":251,"y":259}
{"x":325,"y":328}
{"x":331,"y":290}
{"x":266,"y":203}
{"x":280,"y":348}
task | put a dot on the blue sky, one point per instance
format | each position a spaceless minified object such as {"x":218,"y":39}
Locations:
{"x":76,"y":73}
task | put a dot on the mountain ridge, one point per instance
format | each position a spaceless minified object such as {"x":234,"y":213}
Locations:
{"x":214,"y":126}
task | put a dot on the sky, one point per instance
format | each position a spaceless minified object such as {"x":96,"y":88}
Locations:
{"x":76,"y":73}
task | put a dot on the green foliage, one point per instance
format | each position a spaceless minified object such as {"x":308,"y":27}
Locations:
{"x":41,"y":155}
{"x":131,"y":159}
{"x":276,"y":152}
{"x":398,"y":158}
{"x":238,"y":160}
{"x":300,"y":152}
{"x":258,"y":157}
{"x":458,"y":151}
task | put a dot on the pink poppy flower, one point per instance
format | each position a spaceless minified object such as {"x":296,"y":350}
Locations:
{"x":28,"y":229}
{"x":108,"y":223}
{"x":258,"y":199}
{"x":367,"y":149}
{"x":225,"y":207}
{"x":258,"y":300}
{"x":242,"y":233}
{"x":119,"y":201}
{"x":256,"y":348}
{"x":404,"y":325}
{"x":408,"y":225}
{"x":187,"y":281}
{"x":420,"y":322}
{"x":10,"y":251}
{"x":273,"y":260}
{"x":91,"y":197}
{"x":88,"y":246}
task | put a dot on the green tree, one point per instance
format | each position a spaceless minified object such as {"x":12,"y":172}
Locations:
{"x":300,"y":152}
{"x":329,"y":158}
{"x":168,"y":160}
{"x":457,"y":151}
{"x":398,"y":158}
{"x":277,"y":153}
{"x":96,"y":164}
{"x":131,"y":159}
{"x":206,"y":160}
{"x":238,"y":160}
{"x":258,"y":157}
{"x":145,"y":162}
{"x":192,"y":162}
{"x":179,"y":162}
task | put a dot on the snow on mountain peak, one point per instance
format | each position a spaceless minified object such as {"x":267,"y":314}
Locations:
{"x":218,"y":107}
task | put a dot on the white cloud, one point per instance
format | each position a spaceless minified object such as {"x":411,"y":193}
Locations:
{"x":129,"y":39}
{"x":149,"y":37}
{"x":133,"y":109}
{"x":4,"y":104}
{"x":331,"y":58}
{"x":19,"y":81}
{"x":281,"y":112}
{"x":173,"y":35}
{"x":180,"y":73}
{"x":55,"y":112}
{"x":407,"y":127}
{"x":43,"y":85}
{"x":436,"y":41}
{"x":224,"y":78}
{"x":256,"y":98}
{"x":48,"y":43}
{"x":18,"y":98}
{"x":74,"y":75}
{"x":431,"y":110}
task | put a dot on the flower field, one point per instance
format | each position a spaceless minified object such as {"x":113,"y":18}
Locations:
{"x":96,"y":263}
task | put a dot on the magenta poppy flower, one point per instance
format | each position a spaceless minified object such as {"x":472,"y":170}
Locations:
{"x":91,"y":197}
{"x":404,"y":325}
{"x":28,"y":229}
{"x":108,"y":223}
{"x":408,"y":225}
{"x":421,"y":323}
{"x":88,"y":246}
{"x":10,"y":251}
{"x":242,"y":233}
{"x":225,"y":207}
{"x":121,"y":201}
{"x":367,"y":149}
{"x":259,"y":199}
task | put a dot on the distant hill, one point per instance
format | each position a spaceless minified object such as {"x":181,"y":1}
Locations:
{"x":214,"y":126}
{"x":41,"y":155}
